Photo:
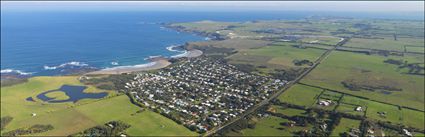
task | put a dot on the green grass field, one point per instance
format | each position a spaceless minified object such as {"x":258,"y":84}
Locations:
{"x":392,"y":113}
{"x":321,"y":40}
{"x":354,"y":100}
{"x":384,"y":44}
{"x":370,"y":70}
{"x":415,"y":49}
{"x":57,"y":95}
{"x":147,"y":123}
{"x":324,"y":47}
{"x":300,"y":95}
{"x":269,"y":127}
{"x":329,"y":95}
{"x":69,"y":118}
{"x":237,"y":44}
{"x":345,"y":125}
{"x":289,"y":111}
{"x":13,"y":98}
{"x":406,"y":116}
{"x":206,"y":25}
{"x":350,"y":109}
{"x":413,"y":118}
{"x":349,"y":103}
{"x":277,"y":56}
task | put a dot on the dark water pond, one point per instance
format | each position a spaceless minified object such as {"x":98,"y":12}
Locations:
{"x":30,"y":99}
{"x":75,"y":93}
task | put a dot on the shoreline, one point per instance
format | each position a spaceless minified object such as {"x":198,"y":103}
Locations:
{"x":156,"y":63}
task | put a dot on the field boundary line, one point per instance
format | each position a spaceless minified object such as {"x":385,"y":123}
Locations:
{"x":402,"y":52}
{"x":361,"y":97}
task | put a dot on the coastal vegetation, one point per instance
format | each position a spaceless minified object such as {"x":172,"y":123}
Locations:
{"x":27,"y":131}
{"x":113,"y":128}
{"x":5,"y":120}
{"x":12,"y":81}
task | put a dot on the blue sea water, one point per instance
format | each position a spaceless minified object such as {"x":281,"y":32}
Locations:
{"x":42,"y":43}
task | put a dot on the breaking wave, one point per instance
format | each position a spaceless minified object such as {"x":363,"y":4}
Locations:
{"x":115,"y":63}
{"x":183,"y":53}
{"x":15,"y":71}
{"x":133,"y":66}
{"x":152,"y":57}
{"x":172,"y":48}
{"x":72,"y":63}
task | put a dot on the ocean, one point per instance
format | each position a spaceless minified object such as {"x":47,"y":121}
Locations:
{"x":47,"y":43}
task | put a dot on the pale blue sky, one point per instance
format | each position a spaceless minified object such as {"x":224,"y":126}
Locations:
{"x":365,"y":6}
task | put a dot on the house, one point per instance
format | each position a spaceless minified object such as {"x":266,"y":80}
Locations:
{"x":110,"y":125}
{"x":324,"y":126}
{"x":370,"y":131}
{"x":359,"y":109}
{"x":325,"y":102}
{"x":407,"y":133}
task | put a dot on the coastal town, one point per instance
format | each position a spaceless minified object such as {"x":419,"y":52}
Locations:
{"x":201,"y":93}
{"x":253,"y":73}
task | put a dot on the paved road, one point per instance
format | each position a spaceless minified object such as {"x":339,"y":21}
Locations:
{"x":288,"y":85}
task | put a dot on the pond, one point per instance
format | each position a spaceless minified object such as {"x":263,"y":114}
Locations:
{"x":75,"y":93}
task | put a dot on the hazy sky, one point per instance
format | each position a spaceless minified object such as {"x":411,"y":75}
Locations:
{"x":367,"y":6}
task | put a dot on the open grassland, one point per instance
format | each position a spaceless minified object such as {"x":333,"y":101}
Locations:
{"x":350,"y":109}
{"x":348,"y":104}
{"x":57,"y":95}
{"x":390,"y":113}
{"x":393,"y":113}
{"x":413,"y":118}
{"x":345,"y":125}
{"x":260,"y":28}
{"x":146,"y":123}
{"x":321,"y":40}
{"x":236,"y":44}
{"x":399,"y":27}
{"x":270,"y":126}
{"x":354,"y":100}
{"x":205,"y":26}
{"x":301,"y":95}
{"x":289,"y":111}
{"x":318,"y":46}
{"x":277,"y":56}
{"x":329,"y":95}
{"x":69,"y":118}
{"x":370,"y":71}
{"x":384,"y":44}
{"x":14,"y":103}
{"x":415,"y":49}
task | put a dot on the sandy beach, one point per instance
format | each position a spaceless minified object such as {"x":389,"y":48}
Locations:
{"x":157,"y":63}
{"x":194,"y":53}
{"x":189,"y":54}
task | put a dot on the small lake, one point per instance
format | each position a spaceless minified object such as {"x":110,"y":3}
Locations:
{"x":75,"y":93}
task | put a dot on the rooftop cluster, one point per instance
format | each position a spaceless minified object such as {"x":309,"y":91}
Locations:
{"x":201,"y":93}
